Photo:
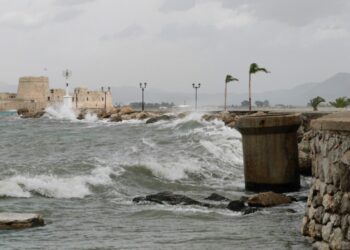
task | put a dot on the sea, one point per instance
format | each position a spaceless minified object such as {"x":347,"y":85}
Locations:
{"x":81,"y":176}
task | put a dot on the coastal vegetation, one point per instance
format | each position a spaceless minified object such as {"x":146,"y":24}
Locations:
{"x":340,"y":102}
{"x":254,"y":68}
{"x":262,"y":104}
{"x":138,"y":105}
{"x":228,"y":79}
{"x":314,"y":102}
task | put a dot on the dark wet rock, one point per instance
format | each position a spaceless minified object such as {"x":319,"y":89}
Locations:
{"x":22,"y":111}
{"x":33,"y":114}
{"x":249,"y":210}
{"x":268,"y":199}
{"x":139,"y":199}
{"x":81,"y":116}
{"x":300,"y":198}
{"x":290,"y":210}
{"x":216,"y":197}
{"x":115,"y":118}
{"x":178,"y":199}
{"x":236,"y":206}
{"x":160,"y":118}
{"x":172,"y":199}
{"x":20,"y":221}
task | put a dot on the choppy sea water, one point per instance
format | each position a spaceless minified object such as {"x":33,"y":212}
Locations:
{"x":82,"y":176}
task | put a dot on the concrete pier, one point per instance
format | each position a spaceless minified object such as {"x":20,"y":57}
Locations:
{"x":270,"y":151}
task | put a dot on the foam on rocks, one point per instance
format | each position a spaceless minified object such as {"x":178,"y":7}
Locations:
{"x":20,"y":221}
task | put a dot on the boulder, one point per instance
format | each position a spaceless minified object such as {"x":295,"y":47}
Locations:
{"x":268,"y":199}
{"x":172,"y":199}
{"x":227,"y":118}
{"x":210,"y":117}
{"x":115,"y":118}
{"x":160,"y":118}
{"x":20,"y":221}
{"x":178,"y":199}
{"x":142,"y":116}
{"x":81,"y":116}
{"x":103,"y":115}
{"x":216,"y":197}
{"x":236,"y":206}
{"x":126,"y":110}
{"x":22,"y":111}
{"x":231,"y":124}
{"x":33,"y":114}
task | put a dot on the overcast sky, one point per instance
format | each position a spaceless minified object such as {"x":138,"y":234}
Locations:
{"x":173,"y":43}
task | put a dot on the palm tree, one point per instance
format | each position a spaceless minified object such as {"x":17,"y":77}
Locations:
{"x":314,"y":102}
{"x":254,"y":68}
{"x":228,"y":79}
{"x":340,"y":102}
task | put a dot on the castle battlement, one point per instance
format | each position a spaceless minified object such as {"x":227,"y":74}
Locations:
{"x":34,"y":94}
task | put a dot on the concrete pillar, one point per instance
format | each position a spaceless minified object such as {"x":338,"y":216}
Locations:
{"x":270,"y":151}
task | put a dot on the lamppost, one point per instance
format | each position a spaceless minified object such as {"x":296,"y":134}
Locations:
{"x":143,"y":86}
{"x":107,"y":91}
{"x":76,"y":98}
{"x":196,"y":87}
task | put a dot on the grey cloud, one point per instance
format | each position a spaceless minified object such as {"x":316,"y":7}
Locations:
{"x":67,"y":15}
{"x":296,"y":12}
{"x":21,"y":20}
{"x":177,"y":5}
{"x":130,"y":31}
{"x":175,"y":31}
{"x":73,"y":2}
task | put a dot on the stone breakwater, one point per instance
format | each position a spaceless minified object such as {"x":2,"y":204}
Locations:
{"x":327,"y":216}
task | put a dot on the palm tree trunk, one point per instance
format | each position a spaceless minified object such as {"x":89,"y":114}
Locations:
{"x":250,"y":95}
{"x":225,"y":95}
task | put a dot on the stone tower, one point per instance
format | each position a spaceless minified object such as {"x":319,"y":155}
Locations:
{"x":33,"y":89}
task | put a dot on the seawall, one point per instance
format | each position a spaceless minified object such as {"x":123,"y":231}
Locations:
{"x":327,"y":216}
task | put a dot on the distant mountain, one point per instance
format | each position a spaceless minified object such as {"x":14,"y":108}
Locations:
{"x":8,"y":88}
{"x":335,"y":86}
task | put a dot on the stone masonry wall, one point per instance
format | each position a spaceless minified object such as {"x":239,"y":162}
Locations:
{"x":327,"y":216}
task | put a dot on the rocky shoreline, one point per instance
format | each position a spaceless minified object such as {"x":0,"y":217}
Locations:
{"x":244,"y":205}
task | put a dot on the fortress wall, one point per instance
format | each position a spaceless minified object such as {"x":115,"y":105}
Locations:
{"x":85,"y":99}
{"x":33,"y":88}
{"x":7,"y":96}
{"x":21,"y":104}
{"x":56,"y":95}
{"x":327,"y":216}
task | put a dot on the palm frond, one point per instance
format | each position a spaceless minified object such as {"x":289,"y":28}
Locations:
{"x":230,"y":78}
{"x":254,"y":68}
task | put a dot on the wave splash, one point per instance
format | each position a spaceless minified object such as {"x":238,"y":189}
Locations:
{"x":60,"y":112}
{"x":53,"y":186}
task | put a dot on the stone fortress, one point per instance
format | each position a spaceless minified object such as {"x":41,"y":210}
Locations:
{"x":34,"y":94}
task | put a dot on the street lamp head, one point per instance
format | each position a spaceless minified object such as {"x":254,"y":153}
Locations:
{"x":109,"y":89}
{"x":193,"y":85}
{"x":199,"y":85}
{"x":102,"y":89}
{"x":140,"y":85}
{"x":145,"y":84}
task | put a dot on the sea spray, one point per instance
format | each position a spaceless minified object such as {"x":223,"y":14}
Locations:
{"x":60,"y":112}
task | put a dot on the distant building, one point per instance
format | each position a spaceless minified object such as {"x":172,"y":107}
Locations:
{"x":34,"y":94}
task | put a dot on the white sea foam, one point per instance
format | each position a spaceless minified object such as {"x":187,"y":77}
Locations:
{"x":53,"y":186}
{"x":60,"y":111}
{"x":12,"y":189}
{"x":192,"y":210}
{"x":171,"y":171}
{"x":90,"y":117}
